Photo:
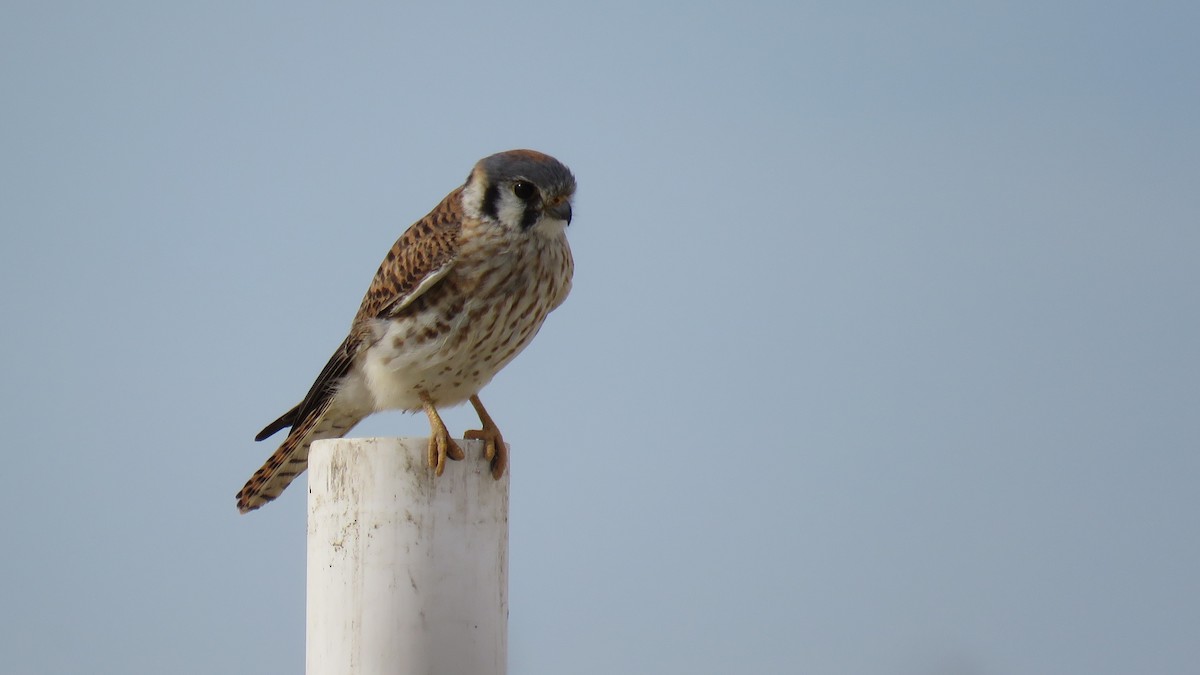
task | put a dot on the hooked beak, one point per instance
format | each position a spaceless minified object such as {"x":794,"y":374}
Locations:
{"x":560,"y":211}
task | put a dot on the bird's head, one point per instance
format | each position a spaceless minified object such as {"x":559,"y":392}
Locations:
{"x":522,"y":190}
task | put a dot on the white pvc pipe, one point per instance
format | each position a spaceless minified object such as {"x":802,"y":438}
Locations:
{"x":407,"y":572}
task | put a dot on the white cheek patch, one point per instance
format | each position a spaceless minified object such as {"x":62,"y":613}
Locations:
{"x":472,"y":196}
{"x":511,"y":210}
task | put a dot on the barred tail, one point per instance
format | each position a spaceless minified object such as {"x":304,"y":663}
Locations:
{"x":291,"y":459}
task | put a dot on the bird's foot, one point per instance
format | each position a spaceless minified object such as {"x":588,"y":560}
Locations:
{"x":494,"y":449}
{"x":441,"y":445}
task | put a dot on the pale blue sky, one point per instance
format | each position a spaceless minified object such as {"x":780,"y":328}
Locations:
{"x":881,"y":359}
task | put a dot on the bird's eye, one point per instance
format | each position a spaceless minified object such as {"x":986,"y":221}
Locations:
{"x":523,"y":190}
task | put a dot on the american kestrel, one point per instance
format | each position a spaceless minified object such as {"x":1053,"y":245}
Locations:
{"x":458,"y":296}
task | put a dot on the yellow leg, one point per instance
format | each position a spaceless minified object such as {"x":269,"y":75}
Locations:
{"x":441,"y":445}
{"x":495,"y":451}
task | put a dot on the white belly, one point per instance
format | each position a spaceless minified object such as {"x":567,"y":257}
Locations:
{"x":449,"y":362}
{"x":401,"y":366}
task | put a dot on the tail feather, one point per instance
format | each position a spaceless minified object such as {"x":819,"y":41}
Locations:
{"x":316,"y":417}
{"x":285,"y":420}
{"x":291,"y":459}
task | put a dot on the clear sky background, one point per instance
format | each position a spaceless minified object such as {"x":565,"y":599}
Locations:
{"x":883,"y":355}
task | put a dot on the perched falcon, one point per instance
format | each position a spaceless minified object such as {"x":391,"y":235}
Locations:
{"x":460,"y":294}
